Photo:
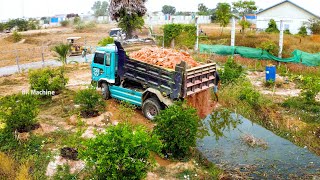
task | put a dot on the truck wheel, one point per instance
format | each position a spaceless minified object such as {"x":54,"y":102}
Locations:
{"x":150,"y":108}
{"x":105,"y":91}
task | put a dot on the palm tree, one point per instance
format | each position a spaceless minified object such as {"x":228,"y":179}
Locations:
{"x":131,"y":11}
{"x":62,"y":50}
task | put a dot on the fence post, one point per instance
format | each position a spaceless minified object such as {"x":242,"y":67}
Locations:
{"x":17,"y":59}
{"x":42,"y":55}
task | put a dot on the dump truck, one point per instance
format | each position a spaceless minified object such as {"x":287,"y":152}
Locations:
{"x":149,"y":87}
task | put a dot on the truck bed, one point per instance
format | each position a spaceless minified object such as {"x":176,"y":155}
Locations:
{"x":176,"y":84}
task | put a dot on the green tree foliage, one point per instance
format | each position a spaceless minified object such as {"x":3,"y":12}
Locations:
{"x":223,"y":14}
{"x":48,"y":79}
{"x":33,"y":24}
{"x":244,"y":7}
{"x":314,"y":26}
{"x":129,"y":23}
{"x":311,"y":87}
{"x":106,"y":41}
{"x":65,"y":23}
{"x":123,"y":152}
{"x":287,"y":31}
{"x":303,"y":31}
{"x":2,"y":27}
{"x":21,"y":24}
{"x":185,"y":35}
{"x":177,"y":127}
{"x":19,"y":111}
{"x":244,"y":25}
{"x":167,"y":9}
{"x":232,"y":71}
{"x":90,"y":101}
{"x":272,"y":27}
{"x":128,"y":13}
{"x":62,"y":50}
{"x":100,"y":8}
{"x":203,"y":10}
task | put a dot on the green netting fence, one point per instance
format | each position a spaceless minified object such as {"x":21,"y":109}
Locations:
{"x":253,"y":53}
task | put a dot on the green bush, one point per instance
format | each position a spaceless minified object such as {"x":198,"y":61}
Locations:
{"x":287,"y":31}
{"x":65,"y":23}
{"x":310,"y":88}
{"x":270,"y":47}
{"x":272,"y":27}
{"x":249,"y":95}
{"x":184,"y":35}
{"x":232,"y":71}
{"x":90,"y":101}
{"x":48,"y":79}
{"x":123,"y":152}
{"x":62,"y":50}
{"x":16,"y":36}
{"x":303,"y":31}
{"x":76,"y":20}
{"x":19,"y":112}
{"x":106,"y":41}
{"x":177,"y":127}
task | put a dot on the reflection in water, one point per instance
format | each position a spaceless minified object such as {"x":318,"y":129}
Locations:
{"x":222,"y":121}
{"x":272,"y":158}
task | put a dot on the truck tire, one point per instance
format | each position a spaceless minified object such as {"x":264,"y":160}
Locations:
{"x":151,"y":107}
{"x":105,"y":91}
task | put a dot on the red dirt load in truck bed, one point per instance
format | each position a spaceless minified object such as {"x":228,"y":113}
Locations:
{"x":167,"y":58}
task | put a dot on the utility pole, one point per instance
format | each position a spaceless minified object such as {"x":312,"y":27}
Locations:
{"x":196,"y":47}
{"x":233,"y":32}
{"x":281,"y":39}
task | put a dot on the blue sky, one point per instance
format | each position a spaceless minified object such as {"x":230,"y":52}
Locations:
{"x":38,"y":8}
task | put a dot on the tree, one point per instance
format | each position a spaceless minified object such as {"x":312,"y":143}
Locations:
{"x":167,"y":9}
{"x":202,"y":9}
{"x":223,"y":14}
{"x":314,"y":26}
{"x":272,"y":27}
{"x":62,"y":51}
{"x":100,"y":8}
{"x":244,"y":25}
{"x":244,"y":7}
{"x":128,"y":13}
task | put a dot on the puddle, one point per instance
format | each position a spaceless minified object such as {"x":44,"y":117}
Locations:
{"x":279,"y":158}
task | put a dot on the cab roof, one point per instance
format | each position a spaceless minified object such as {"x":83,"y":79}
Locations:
{"x":109,"y":48}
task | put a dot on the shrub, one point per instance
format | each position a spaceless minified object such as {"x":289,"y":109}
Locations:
{"x":249,"y":95}
{"x":48,"y":79}
{"x":287,"y":31}
{"x":244,"y":25}
{"x":76,"y":20}
{"x":310,"y":88}
{"x":269,"y":46}
{"x":106,"y":41}
{"x":90,"y":101}
{"x":177,"y":127}
{"x":62,"y":50}
{"x":272,"y":27}
{"x":65,"y":23}
{"x":16,"y":36}
{"x":232,"y":71}
{"x":126,"y":111}
{"x":123,"y":152}
{"x":19,"y":112}
{"x":303,"y":31}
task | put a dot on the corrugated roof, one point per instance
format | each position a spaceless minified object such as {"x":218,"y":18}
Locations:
{"x":314,"y":14}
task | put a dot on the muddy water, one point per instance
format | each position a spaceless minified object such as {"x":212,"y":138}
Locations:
{"x":224,"y":145}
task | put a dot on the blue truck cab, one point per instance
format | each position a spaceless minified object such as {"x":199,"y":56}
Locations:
{"x":150,"y":87}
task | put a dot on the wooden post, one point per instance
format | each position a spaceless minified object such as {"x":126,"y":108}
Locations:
{"x":17,"y":59}
{"x":42,"y":54}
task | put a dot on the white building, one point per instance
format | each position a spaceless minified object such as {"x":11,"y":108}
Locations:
{"x":292,"y":15}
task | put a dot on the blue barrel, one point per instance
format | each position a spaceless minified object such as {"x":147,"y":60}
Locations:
{"x":271,"y":73}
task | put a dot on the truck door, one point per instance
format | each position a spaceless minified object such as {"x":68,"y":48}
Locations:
{"x":103,"y":67}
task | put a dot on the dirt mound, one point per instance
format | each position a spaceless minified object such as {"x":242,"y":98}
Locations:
{"x":203,"y":102}
{"x":167,"y":58}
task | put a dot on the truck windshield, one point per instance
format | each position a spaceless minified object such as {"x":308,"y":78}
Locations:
{"x":113,"y":33}
{"x":99,"y":58}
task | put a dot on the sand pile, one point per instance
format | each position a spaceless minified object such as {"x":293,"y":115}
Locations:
{"x":167,"y":58}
